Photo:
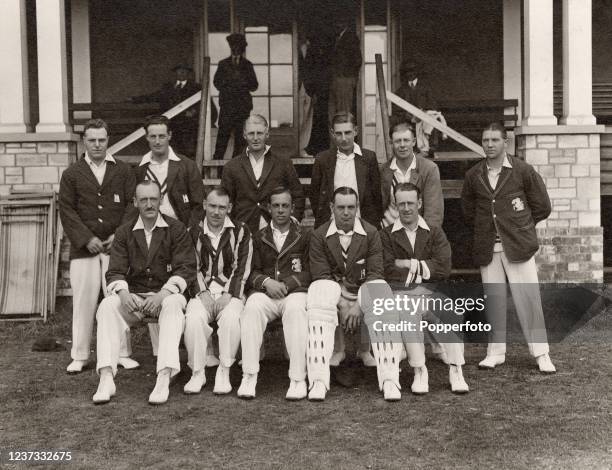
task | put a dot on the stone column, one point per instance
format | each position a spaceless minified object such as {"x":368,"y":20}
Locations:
{"x":538,"y":53}
{"x":52,"y":69}
{"x":577,"y":63}
{"x":14,"y":83}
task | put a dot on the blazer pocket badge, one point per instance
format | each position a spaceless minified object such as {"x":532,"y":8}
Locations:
{"x":169,"y":268}
{"x":518,"y":204}
{"x":296,"y":265}
{"x":185,"y":199}
{"x":116,"y":198}
{"x":360,"y":265}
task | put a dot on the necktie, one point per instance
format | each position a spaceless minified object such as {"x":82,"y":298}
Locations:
{"x":345,"y":243}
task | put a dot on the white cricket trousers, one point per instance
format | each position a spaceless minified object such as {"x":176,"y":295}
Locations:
{"x":258,"y":312}
{"x":86,"y":280}
{"x":198,"y":332}
{"x":114,"y":324}
{"x":523,"y":280}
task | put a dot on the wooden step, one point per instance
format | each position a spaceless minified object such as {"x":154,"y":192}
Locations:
{"x":450,"y":188}
{"x":458,"y":156}
{"x":295,"y":160}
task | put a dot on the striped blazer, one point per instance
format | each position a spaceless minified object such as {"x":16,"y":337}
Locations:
{"x":229,"y":265}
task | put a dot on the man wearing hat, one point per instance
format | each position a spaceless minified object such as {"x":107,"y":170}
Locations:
{"x":345,"y":63}
{"x":184,"y":125}
{"x":418,"y":93}
{"x":235,"y":79}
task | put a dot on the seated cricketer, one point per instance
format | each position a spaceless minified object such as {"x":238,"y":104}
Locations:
{"x":345,"y":253}
{"x":280,"y":280}
{"x":413,"y":253}
{"x":151,"y":264}
{"x":224,"y":251}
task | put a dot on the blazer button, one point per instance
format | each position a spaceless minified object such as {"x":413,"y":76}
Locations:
{"x":99,"y":207}
{"x":99,"y":194}
{"x":493,"y":201}
{"x":494,"y":215}
{"x":100,"y":220}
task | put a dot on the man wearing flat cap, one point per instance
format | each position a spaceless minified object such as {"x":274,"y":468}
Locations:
{"x":184,"y":125}
{"x":235,"y":79}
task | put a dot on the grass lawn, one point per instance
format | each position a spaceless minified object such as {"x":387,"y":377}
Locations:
{"x":513,"y":417}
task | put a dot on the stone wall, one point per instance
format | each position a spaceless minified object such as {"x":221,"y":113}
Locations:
{"x":30,"y":162}
{"x":571,"y":240}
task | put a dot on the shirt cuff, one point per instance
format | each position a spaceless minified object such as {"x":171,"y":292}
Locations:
{"x":115,"y":286}
{"x":425,"y":273}
{"x":176,"y":285}
{"x":347,"y":295}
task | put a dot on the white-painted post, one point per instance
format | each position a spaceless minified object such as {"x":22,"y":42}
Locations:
{"x":538,"y":50}
{"x":14,"y":83}
{"x":52,"y":68}
{"x":577,"y":63}
{"x":81,"y":55}
{"x":513,"y":78}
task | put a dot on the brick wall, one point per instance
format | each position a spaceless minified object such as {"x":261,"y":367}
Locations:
{"x":571,"y":240}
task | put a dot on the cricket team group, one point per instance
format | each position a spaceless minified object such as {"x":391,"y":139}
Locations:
{"x":166,"y":254}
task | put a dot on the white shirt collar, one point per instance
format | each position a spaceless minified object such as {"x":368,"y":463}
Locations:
{"x":357,"y":228}
{"x":277,"y":230}
{"x":397,"y":225}
{"x":108,"y":158}
{"x":262,"y":157}
{"x":227,"y":223}
{"x":506,"y":163}
{"x":147,"y":157}
{"x":160,"y":222}
{"x":356,"y":151}
{"x":394,"y":166}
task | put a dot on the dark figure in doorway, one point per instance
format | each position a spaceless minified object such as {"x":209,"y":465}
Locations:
{"x":235,"y":79}
{"x":185,"y":124}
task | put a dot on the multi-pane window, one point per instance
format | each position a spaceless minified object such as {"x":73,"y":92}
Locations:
{"x":375,"y":41}
{"x":271,"y":53}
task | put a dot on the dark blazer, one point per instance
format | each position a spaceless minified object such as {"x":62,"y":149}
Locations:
{"x":426,"y":176}
{"x":185,"y":189}
{"x":235,"y":84}
{"x":512,"y":210}
{"x":88,"y":209}
{"x":145,"y":269}
{"x":290,"y":265}
{"x":421,"y":96}
{"x":229,"y":265}
{"x":250,"y":198}
{"x":430,"y":246}
{"x":368,"y":185}
{"x":364,"y":262}
{"x":346,"y":57}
